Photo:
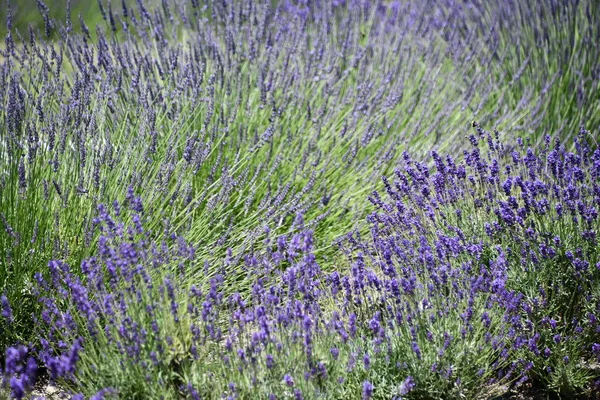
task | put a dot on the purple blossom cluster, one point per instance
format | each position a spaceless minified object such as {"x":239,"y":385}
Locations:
{"x":256,"y":116}
{"x":507,"y":239}
{"x":129,"y":299}
{"x":20,"y":371}
{"x":251,"y":129}
{"x":6,"y":313}
{"x":456,"y":288}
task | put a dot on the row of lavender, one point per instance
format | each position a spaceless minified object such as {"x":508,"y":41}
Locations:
{"x":227,"y":115}
{"x":233,"y":115}
{"x":254,"y":132}
{"x":478,"y":276}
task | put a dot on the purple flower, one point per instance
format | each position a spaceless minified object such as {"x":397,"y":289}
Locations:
{"x":31,"y":369}
{"x":288,"y":380}
{"x":298,"y":394}
{"x":557,"y":338}
{"x":22,"y":179}
{"x":352,"y":324}
{"x":407,"y":386}
{"x":416,"y":349}
{"x":367,"y":361}
{"x":335,"y":352}
{"x":367,"y":390}
{"x":270,"y":361}
{"x":485,"y":318}
{"x":13,"y":357}
{"x":6,"y":310}
{"x":17,"y":387}
{"x":20,"y":378}
{"x":63,"y":365}
{"x":547,"y":352}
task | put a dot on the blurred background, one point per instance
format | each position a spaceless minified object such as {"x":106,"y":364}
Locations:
{"x":27,"y":12}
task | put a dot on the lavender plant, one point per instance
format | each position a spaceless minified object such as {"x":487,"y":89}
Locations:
{"x":528,"y":221}
{"x":19,"y":373}
{"x":478,"y":276}
{"x":233,"y":116}
{"x":253,"y":132}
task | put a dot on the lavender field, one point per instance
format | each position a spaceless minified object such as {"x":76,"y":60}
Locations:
{"x":300,"y":199}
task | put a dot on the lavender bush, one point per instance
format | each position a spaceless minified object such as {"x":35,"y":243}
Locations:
{"x":515,"y":226}
{"x":19,"y":371}
{"x":479,"y":276}
{"x":187,"y":203}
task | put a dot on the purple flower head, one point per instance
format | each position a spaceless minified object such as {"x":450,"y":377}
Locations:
{"x":352,"y":324}
{"x":416,"y":349}
{"x":367,"y":390}
{"x":62,"y":366}
{"x":20,"y":371}
{"x":407,"y":386}
{"x":299,"y":220}
{"x":547,"y":352}
{"x":298,"y":394}
{"x":288,"y":380}
{"x":17,"y":387}
{"x":374,"y":323}
{"x":367,"y":360}
{"x":31,"y":369}
{"x":6,"y":310}
{"x":322,"y":370}
{"x":13,"y":357}
{"x":557,"y":338}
